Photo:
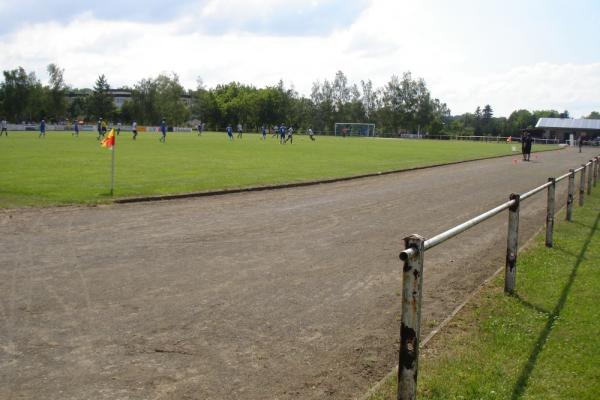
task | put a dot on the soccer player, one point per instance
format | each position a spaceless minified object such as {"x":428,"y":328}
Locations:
{"x":263,"y":130}
{"x":290,"y":137}
{"x":230,"y":132}
{"x":75,"y":128}
{"x":275,"y":131}
{"x":4,"y":130}
{"x":103,"y":128}
{"x":311,"y":134}
{"x":99,"y":127}
{"x":282,"y":134}
{"x":134,"y":129}
{"x":118,"y":128}
{"x":239,"y":131}
{"x":199,"y":127}
{"x":42,"y":129}
{"x":163,"y":130}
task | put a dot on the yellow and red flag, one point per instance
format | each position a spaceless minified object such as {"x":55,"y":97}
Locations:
{"x":109,"y":140}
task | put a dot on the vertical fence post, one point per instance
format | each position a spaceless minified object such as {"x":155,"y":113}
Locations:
{"x":596,"y":164}
{"x":550,"y":212}
{"x":594,"y":170}
{"x":590,"y":177}
{"x":582,"y":186}
{"x":570,"y":194}
{"x":410,"y":325}
{"x":512,"y":245}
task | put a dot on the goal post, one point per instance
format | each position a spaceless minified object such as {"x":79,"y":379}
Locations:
{"x":354,"y":129}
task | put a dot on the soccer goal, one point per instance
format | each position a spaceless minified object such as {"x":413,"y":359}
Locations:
{"x":354,"y":129}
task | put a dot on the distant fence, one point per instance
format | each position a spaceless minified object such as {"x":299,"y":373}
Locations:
{"x":416,"y":246}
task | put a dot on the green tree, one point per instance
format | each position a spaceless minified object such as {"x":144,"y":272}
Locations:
{"x":100,"y":103}
{"x":169,"y":99}
{"x":594,"y":115}
{"x":57,"y":103}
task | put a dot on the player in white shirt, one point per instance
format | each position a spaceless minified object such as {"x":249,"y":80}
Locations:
{"x":4,"y":125}
{"x":134,"y":129}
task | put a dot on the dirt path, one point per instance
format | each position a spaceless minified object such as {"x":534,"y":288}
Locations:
{"x":268,"y":295}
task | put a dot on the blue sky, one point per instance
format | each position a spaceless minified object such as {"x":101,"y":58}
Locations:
{"x":511,"y":54}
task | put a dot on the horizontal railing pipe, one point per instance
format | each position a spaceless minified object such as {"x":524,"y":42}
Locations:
{"x":534,"y":191}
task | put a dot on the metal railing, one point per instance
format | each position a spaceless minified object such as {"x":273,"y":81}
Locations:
{"x":416,"y":246}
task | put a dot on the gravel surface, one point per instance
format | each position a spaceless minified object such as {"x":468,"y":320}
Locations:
{"x":268,"y":295}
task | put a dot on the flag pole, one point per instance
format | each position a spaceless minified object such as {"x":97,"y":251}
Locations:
{"x":112,"y":173}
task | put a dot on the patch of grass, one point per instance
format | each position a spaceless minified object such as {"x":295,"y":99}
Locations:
{"x":62,"y":169}
{"x":541,"y":343}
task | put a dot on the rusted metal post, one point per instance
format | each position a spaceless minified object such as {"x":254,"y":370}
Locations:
{"x":596,"y":164}
{"x":410,"y":325}
{"x":512,"y":245}
{"x":590,"y":177}
{"x":582,"y":186}
{"x":570,"y":194}
{"x":595,"y":170}
{"x":550,"y":212}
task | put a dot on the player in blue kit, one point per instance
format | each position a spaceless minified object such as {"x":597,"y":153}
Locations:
{"x":230,"y":132}
{"x":282,"y":134}
{"x":263,"y":131}
{"x":163,"y":131}
{"x":42,"y":129}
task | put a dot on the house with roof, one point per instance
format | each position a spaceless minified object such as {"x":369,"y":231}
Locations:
{"x":563,"y":128}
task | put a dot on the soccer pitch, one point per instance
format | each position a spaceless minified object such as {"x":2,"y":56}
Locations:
{"x":63,"y":169}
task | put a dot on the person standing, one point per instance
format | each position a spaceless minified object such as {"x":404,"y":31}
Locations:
{"x":118,"y":128}
{"x":163,"y":131}
{"x":229,"y":130}
{"x":99,"y":128}
{"x":282,"y":134}
{"x":527,"y":141}
{"x":311,"y":134}
{"x":103,"y":126}
{"x":42,"y":129}
{"x":4,"y":130}
{"x":199,"y":127}
{"x":134,"y":129}
{"x":76,"y":128}
{"x":239,"y":131}
{"x":580,"y":141}
{"x":263,"y":131}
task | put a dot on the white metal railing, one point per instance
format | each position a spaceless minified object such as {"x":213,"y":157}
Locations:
{"x":415,"y":247}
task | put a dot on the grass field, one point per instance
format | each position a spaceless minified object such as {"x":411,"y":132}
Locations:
{"x":541,"y":343}
{"x":61,"y":169}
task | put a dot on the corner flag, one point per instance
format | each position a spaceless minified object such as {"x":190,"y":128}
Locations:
{"x":109,"y":140}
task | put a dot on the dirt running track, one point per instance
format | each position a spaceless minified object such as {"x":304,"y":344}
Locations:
{"x":270,"y":295}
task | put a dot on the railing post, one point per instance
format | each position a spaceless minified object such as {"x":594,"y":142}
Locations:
{"x":596,"y":163}
{"x":590,"y":177}
{"x":570,"y":194}
{"x":550,"y":212}
{"x":512,"y":245}
{"x":582,"y":186}
{"x":410,"y":325}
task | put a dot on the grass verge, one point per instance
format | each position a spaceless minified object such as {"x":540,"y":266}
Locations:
{"x":541,"y":343}
{"x":62,"y":169}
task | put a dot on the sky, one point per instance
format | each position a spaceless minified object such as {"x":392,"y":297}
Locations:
{"x":511,"y":54}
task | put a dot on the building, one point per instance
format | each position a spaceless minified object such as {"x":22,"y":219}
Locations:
{"x":562,"y":128}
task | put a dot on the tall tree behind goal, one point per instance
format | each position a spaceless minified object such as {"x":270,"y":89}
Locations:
{"x":354,"y":129}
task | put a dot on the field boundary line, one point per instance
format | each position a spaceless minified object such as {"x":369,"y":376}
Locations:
{"x":144,"y":199}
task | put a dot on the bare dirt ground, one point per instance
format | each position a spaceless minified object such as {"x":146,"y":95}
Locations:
{"x":269,"y":295}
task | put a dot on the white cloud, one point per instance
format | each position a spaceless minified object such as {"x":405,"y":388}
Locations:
{"x":388,"y":38}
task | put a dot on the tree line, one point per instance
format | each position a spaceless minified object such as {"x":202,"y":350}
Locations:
{"x":403,"y":105}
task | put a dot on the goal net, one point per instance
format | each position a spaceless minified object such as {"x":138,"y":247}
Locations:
{"x":354,"y":129}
